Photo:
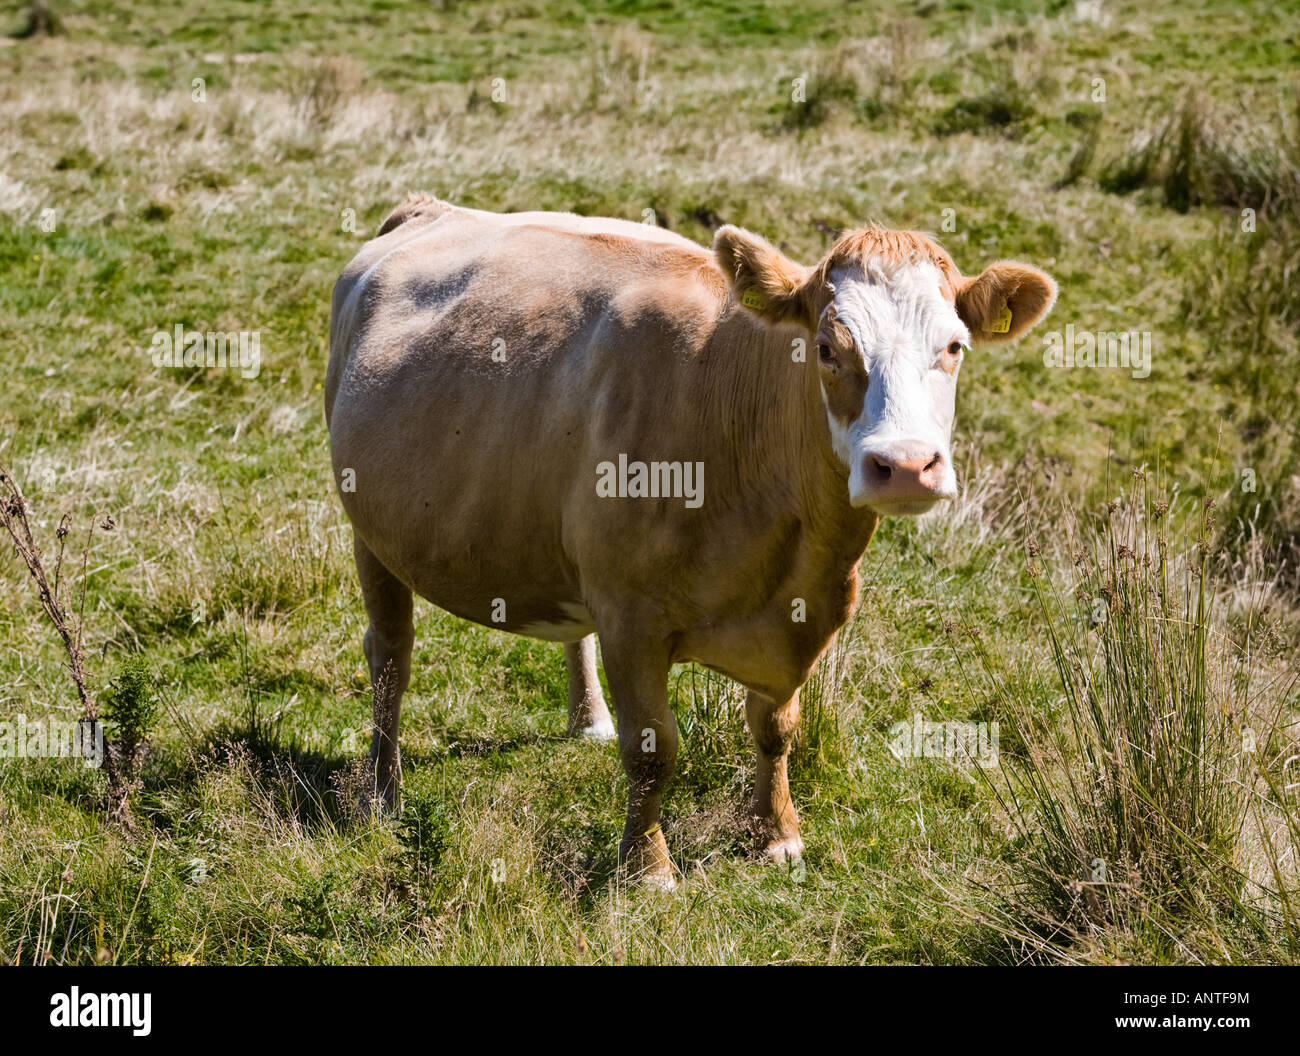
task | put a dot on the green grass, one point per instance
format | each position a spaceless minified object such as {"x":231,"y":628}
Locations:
{"x":230,"y":572}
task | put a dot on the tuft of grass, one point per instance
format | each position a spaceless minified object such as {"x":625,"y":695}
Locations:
{"x":321,"y":87}
{"x":619,"y":65}
{"x":1088,"y":123}
{"x":1131,"y":797}
{"x":1001,"y":109}
{"x":40,"y":20}
{"x":1200,"y":154}
{"x":821,"y":95}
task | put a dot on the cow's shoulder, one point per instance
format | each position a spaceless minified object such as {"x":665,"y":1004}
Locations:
{"x":674,"y":287}
{"x":648,"y":271}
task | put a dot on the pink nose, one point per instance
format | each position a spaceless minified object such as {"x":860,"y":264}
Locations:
{"x":904,"y":473}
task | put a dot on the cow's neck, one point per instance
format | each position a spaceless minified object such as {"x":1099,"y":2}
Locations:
{"x":780,"y":402}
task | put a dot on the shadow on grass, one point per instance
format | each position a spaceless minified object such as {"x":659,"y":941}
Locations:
{"x":315,"y":789}
{"x":298,"y":784}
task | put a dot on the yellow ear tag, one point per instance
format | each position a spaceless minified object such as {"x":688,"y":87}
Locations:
{"x":1003,"y":325}
{"x":753,"y":299}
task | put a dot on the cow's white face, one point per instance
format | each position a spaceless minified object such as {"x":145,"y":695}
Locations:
{"x":889,"y":348}
{"x":890,"y":316}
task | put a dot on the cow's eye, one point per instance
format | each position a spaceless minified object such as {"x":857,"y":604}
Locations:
{"x":954,"y":349}
{"x":824,"y":351}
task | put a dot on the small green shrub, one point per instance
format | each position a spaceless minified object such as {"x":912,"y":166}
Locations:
{"x":131,"y":708}
{"x":423,"y":830}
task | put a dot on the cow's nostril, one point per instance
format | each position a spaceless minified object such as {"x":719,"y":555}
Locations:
{"x":882,"y":469}
{"x":934,"y":463}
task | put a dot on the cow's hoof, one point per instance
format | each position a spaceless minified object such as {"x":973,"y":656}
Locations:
{"x":784,"y":849}
{"x":776,"y":834}
{"x":600,"y":730}
{"x":658,"y":881}
{"x":656,"y":878}
{"x":645,"y":861}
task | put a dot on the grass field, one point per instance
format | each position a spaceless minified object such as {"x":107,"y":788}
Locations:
{"x":1117,"y":587}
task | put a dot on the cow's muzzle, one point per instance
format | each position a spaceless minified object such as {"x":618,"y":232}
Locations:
{"x":904,"y":478}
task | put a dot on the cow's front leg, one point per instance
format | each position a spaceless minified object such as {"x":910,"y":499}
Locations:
{"x":588,"y":715}
{"x":772,"y":725}
{"x":647,"y":739}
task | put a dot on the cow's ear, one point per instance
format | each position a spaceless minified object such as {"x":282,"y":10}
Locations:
{"x":764,"y":280}
{"x":1004,"y":300}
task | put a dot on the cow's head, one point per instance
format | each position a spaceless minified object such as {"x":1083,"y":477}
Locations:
{"x":890,"y":318}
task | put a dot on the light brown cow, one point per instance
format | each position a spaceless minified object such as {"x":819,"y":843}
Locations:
{"x":557,"y":425}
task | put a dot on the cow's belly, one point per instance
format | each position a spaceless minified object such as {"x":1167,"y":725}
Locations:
{"x":474,"y":566}
{"x":460,"y":521}
{"x":533,"y":613}
{"x":524,"y":594}
{"x":577,"y":623}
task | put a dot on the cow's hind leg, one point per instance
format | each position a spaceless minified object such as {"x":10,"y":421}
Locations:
{"x":647,"y":742}
{"x":588,"y":715}
{"x":388,"y":643}
{"x":772,"y":725}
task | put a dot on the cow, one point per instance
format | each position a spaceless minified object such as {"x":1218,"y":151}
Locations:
{"x":571,"y":427}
